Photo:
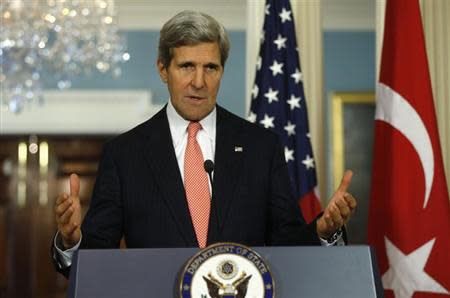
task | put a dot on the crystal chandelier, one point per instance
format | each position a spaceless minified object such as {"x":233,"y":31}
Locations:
{"x":63,"y":38}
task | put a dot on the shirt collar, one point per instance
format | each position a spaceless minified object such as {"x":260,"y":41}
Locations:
{"x":178,"y":125}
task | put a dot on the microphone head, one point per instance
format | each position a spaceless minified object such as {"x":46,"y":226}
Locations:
{"x":208,"y":165}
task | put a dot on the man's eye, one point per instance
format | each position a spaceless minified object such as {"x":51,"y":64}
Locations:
{"x":186,"y":66}
{"x":211,"y":68}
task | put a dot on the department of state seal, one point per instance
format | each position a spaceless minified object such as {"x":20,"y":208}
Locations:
{"x":226,"y":270}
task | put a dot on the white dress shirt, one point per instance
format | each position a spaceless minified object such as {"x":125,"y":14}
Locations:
{"x":206,"y":137}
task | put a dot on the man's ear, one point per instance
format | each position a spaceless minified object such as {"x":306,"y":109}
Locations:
{"x":162,"y":70}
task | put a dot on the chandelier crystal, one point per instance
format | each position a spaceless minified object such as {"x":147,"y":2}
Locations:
{"x":62,"y":38}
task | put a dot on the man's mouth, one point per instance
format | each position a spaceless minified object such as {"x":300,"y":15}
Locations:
{"x":195,"y":97}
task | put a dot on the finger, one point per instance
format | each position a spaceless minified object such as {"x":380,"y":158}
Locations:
{"x":65,"y":218}
{"x":328,"y":220}
{"x":62,"y":208}
{"x":74,"y":185}
{"x":344,"y":209}
{"x":336,"y":216}
{"x":69,"y":229}
{"x":346,"y":180}
{"x":351,"y":201}
{"x":61,"y":197}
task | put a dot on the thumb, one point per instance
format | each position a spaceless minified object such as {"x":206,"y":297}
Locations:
{"x":74,"y":185}
{"x":346,"y":180}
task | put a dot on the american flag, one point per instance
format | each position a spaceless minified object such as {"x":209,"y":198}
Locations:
{"x":278,"y":101}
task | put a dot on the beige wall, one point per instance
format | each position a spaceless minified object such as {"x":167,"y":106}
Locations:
{"x":436,"y":22}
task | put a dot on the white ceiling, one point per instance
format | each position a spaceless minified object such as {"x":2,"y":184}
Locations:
{"x":152,"y":14}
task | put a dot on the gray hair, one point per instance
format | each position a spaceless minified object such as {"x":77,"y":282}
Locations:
{"x":191,"y":28}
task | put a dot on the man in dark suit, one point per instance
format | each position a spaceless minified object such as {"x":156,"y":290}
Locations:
{"x":151,"y":186}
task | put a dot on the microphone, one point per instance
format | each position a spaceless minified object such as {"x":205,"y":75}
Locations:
{"x":209,"y":168}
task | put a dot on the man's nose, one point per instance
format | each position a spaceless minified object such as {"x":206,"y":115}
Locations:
{"x":198,"y":79}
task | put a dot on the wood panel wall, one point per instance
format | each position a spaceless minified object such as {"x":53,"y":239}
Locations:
{"x":26,"y":230}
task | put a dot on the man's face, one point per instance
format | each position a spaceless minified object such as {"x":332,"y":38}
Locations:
{"x":193,"y":79}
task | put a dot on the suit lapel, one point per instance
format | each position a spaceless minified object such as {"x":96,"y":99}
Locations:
{"x":228,"y":163}
{"x":160,"y":156}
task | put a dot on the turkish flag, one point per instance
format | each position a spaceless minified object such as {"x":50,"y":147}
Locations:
{"x":409,"y":215}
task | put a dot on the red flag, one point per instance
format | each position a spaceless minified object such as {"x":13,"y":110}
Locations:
{"x":409,"y":215}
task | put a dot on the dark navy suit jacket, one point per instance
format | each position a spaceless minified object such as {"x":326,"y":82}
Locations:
{"x":139,"y":192}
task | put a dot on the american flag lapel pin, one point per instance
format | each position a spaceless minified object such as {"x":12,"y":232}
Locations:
{"x":238,"y":149}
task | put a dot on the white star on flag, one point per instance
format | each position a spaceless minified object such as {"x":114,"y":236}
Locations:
{"x":288,"y":154}
{"x":308,"y":162}
{"x":406,"y":273}
{"x":297,"y":76}
{"x":255,"y":91}
{"x":251,"y":117}
{"x":276,"y":68}
{"x":267,"y":122}
{"x":290,"y":128}
{"x":280,"y":42}
{"x":285,"y":15}
{"x":267,"y":11}
{"x":258,"y":63}
{"x":272,"y":95}
{"x":262,"y":36}
{"x":294,"y":102}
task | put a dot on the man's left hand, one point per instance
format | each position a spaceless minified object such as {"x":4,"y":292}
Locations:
{"x":339,"y":210}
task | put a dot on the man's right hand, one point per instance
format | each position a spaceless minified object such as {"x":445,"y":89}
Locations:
{"x":68,"y":214}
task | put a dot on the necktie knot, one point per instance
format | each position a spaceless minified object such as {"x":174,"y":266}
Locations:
{"x":193,"y":129}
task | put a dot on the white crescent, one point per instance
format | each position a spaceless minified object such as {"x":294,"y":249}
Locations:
{"x":392,"y":108}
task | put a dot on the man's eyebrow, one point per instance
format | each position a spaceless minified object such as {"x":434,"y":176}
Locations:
{"x":185,"y":63}
{"x":191,"y":63}
{"x":212,"y":64}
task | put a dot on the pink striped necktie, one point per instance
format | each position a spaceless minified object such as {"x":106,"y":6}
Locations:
{"x":196,"y":185}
